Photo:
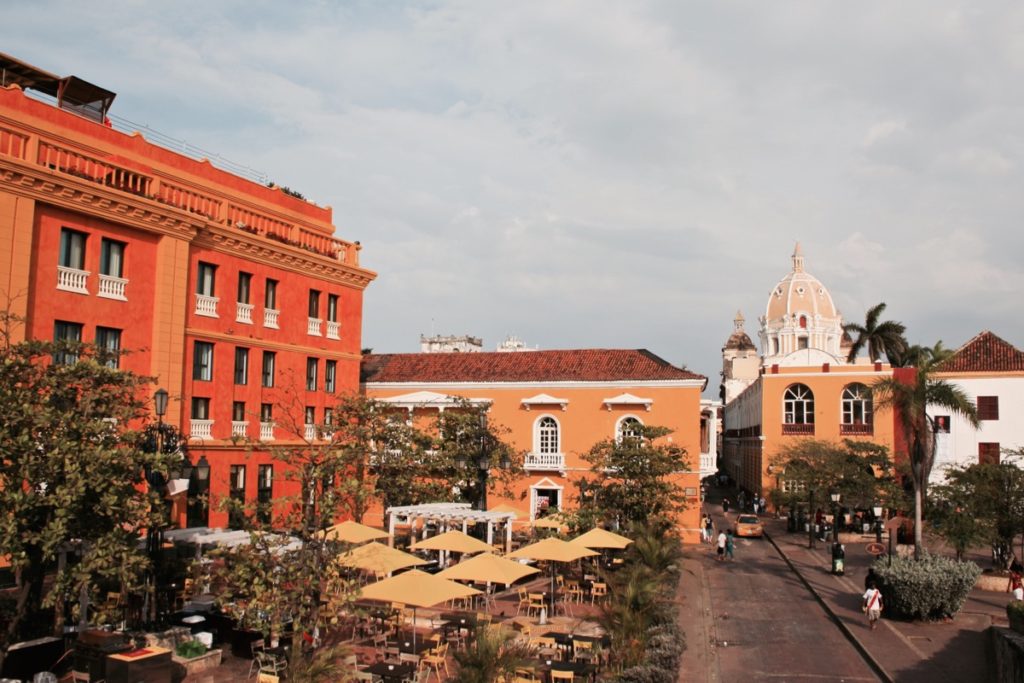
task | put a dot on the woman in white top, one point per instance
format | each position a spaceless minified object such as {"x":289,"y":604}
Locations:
{"x":873,"y":604}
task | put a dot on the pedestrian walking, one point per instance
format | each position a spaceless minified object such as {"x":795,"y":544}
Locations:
{"x":871,"y":578}
{"x":725,"y":505}
{"x":763,"y":504}
{"x":756,"y":503}
{"x":1015,"y":586}
{"x":722,"y":540}
{"x":872,"y":604}
{"x":709,"y":529}
{"x":728,"y":545}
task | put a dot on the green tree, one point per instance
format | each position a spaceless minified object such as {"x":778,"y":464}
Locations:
{"x":910,"y":400}
{"x":71,"y":474}
{"x":878,"y":337}
{"x":635,"y":477}
{"x":860,"y":471}
{"x":494,"y":655}
{"x":981,"y":503}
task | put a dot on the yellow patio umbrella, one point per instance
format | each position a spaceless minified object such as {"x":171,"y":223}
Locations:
{"x":353,"y":532}
{"x":504,"y":507}
{"x":416,"y":589}
{"x":378,"y":558}
{"x":552,"y":550}
{"x":453,"y":541}
{"x":490,"y":568}
{"x":548,"y":523}
{"x":600,"y":538}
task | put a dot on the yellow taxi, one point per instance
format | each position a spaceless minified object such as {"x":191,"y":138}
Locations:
{"x":749,"y":526}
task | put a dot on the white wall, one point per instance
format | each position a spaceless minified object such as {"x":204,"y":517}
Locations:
{"x":960,"y":446}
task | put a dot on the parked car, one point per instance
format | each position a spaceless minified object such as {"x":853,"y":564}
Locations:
{"x":749,"y":526}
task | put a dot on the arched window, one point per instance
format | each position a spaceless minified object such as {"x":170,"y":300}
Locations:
{"x":547,"y":441}
{"x":629,"y":428}
{"x":857,"y":417}
{"x":798,"y":410}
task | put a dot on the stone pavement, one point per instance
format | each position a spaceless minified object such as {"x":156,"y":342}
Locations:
{"x":896,"y":650}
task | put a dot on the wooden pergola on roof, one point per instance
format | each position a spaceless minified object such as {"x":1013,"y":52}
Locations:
{"x":72,"y":93}
{"x":449,"y":516}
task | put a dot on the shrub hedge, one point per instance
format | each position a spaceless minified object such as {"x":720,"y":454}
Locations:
{"x":1015,"y":614}
{"x":933,"y":587}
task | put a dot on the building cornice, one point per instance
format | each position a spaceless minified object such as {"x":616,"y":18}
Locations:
{"x":599,"y":384}
{"x":266,"y":251}
{"x":76,"y":194}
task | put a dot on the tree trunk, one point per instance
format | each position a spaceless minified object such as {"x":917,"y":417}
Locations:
{"x":917,"y":521}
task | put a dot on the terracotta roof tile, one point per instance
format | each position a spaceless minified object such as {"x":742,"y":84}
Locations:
{"x":985,"y":353}
{"x":577,"y":365}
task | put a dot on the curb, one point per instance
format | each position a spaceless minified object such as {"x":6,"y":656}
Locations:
{"x":843,"y":628}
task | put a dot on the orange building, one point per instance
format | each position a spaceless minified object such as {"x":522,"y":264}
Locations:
{"x":235,"y":296}
{"x":801,"y":387}
{"x":556,"y":405}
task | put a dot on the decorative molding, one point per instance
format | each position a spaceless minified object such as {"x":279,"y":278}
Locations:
{"x":544,"y":400}
{"x":628,"y":400}
{"x":252,"y":342}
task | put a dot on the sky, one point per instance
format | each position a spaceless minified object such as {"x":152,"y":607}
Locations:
{"x":593,"y":174}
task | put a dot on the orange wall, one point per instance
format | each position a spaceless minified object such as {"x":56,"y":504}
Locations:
{"x":584,"y":422}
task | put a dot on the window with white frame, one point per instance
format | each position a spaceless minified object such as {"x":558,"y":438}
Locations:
{"x":856,"y":405}
{"x":629,"y":428}
{"x":547,"y":436}
{"x":798,"y":405}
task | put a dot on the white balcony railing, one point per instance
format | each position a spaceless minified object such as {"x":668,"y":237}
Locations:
{"x":270,"y":318}
{"x":206,"y":305}
{"x":243,"y":313}
{"x":311,"y":433}
{"x":313,"y":327}
{"x":707,"y":464}
{"x":266,"y":431}
{"x":239,"y":428}
{"x":112,"y":287}
{"x":544,"y":461}
{"x":333,"y":329}
{"x":201,"y":429}
{"x":72,"y":280}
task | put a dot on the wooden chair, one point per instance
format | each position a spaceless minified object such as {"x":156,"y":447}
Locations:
{"x":435,"y":659}
{"x":380,"y":644}
{"x":351,"y":661}
{"x":364,"y":676}
{"x":561,"y":676}
{"x":271,"y":664}
{"x":546,"y":647}
{"x":255,"y":647}
{"x":573,"y":589}
{"x":598,"y":591}
{"x":582,"y":651}
{"x":406,"y":658}
{"x":524,"y":601}
{"x":535,"y":605}
{"x":79,"y":676}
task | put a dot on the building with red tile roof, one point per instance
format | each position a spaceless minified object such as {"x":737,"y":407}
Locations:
{"x":991,"y":371}
{"x":555,"y":406}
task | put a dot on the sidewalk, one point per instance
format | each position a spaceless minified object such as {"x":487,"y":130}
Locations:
{"x":900,"y":651}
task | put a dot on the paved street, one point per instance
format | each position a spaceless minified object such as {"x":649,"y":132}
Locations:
{"x":753,"y":620}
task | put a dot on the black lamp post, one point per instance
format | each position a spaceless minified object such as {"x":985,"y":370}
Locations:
{"x":812,"y":520}
{"x":483,"y":462}
{"x":835,"y":516}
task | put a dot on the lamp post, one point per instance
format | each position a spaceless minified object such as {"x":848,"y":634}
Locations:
{"x":835,"y":516}
{"x":811,"y":519}
{"x":483,"y":462}
{"x":877,"y":510}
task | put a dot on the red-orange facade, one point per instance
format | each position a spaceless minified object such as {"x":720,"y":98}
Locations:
{"x":108,"y":238}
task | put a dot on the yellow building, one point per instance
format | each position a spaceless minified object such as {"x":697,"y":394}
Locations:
{"x":556,"y":405}
{"x":803,"y":387}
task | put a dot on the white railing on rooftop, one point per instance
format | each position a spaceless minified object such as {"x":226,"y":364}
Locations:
{"x":72,"y":280}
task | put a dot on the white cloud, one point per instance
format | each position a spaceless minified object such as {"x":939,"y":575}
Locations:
{"x":601,"y":173}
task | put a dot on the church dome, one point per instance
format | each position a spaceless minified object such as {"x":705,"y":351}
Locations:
{"x":799,"y":293}
{"x":739,"y":340}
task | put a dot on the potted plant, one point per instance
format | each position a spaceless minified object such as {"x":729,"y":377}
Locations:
{"x":192,"y":657}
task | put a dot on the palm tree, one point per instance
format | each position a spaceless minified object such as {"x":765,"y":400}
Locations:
{"x":910,"y":401}
{"x":879,"y":337}
{"x":494,"y":656}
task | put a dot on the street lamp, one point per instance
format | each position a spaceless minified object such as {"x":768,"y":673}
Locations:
{"x":835,"y":516}
{"x":877,"y":510}
{"x":812,"y":519}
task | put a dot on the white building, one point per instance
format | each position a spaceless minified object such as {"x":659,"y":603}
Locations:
{"x":991,"y":371}
{"x":451,"y":344}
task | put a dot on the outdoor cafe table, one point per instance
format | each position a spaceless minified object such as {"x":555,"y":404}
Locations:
{"x":565,"y":640}
{"x":391,"y":672}
{"x":459,"y":620}
{"x":405,"y":645}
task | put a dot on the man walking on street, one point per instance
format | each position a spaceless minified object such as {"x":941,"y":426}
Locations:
{"x":721,"y":545}
{"x":872,"y":604}
{"x":728,"y":545}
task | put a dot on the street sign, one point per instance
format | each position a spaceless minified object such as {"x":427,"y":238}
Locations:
{"x":875,"y":548}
